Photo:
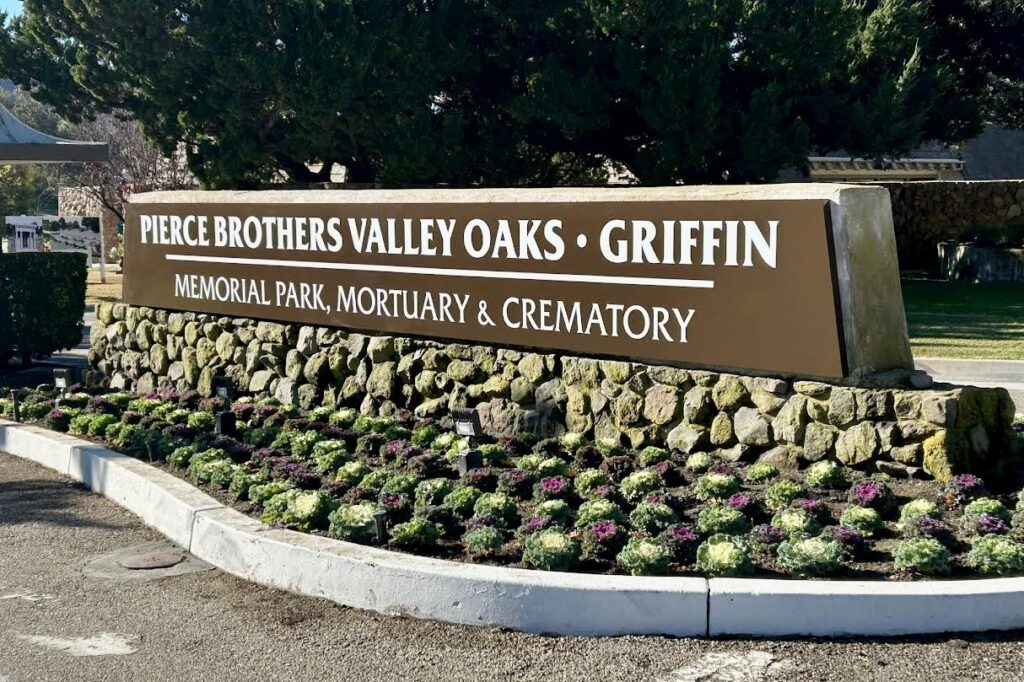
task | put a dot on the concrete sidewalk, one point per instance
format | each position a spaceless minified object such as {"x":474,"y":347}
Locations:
{"x":1008,"y":374}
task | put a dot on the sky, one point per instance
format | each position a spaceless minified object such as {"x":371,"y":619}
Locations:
{"x":10,"y":6}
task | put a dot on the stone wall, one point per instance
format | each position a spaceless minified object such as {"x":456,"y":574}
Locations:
{"x":904,"y":432}
{"x":926,"y":213}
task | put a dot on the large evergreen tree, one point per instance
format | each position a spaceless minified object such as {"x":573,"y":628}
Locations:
{"x":511,"y":91}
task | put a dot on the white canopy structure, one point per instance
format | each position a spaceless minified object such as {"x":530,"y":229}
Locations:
{"x":20,"y":143}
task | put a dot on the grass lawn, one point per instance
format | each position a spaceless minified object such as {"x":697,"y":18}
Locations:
{"x":96,"y":292}
{"x":963,"y":320}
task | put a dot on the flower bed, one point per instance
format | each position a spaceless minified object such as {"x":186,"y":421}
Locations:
{"x":560,"y":504}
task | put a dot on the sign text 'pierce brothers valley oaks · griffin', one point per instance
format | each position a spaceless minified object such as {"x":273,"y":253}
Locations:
{"x":724,"y":284}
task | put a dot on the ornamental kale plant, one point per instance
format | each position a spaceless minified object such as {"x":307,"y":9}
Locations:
{"x":462,"y":499}
{"x":638,"y":485}
{"x":960,"y":490}
{"x":864,"y":520}
{"x":716,"y":486}
{"x":825,"y":474}
{"x":874,"y":494}
{"x":996,"y":555}
{"x":571,"y":442}
{"x":516,"y":483}
{"x":851,"y":541}
{"x":699,"y":462}
{"x":418,"y":533}
{"x":765,"y":539}
{"x":740,"y":502}
{"x":592,"y":511}
{"x":781,"y":494}
{"x":652,"y":455}
{"x":988,"y":506}
{"x":553,"y":488}
{"x":551,"y":550}
{"x":724,"y":555}
{"x":588,"y":480}
{"x":911,"y":511}
{"x":432,"y":492}
{"x":810,"y":556}
{"x":682,"y":542}
{"x":928,"y":527}
{"x":795,"y":521}
{"x":985,"y":524}
{"x":553,"y":466}
{"x":645,"y":556}
{"x":558,"y":511}
{"x":496,"y":504}
{"x":484,"y":542}
{"x":760,"y":472}
{"x":617,"y":467}
{"x":652,"y":518}
{"x":926,"y":556}
{"x":603,"y":540}
{"x":717,"y":520}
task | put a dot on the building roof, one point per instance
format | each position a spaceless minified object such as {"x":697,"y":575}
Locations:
{"x":20,"y":143}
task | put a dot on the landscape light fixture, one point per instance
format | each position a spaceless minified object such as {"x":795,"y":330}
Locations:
{"x":16,"y":407}
{"x":62,"y":378}
{"x":380,"y":519}
{"x":226,"y":424}
{"x":223,"y":387}
{"x":467,"y":424}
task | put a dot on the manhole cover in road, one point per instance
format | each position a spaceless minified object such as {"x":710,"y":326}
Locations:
{"x":151,"y":561}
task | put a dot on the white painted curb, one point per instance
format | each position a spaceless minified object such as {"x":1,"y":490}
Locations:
{"x":533,"y":601}
{"x":366,"y":577}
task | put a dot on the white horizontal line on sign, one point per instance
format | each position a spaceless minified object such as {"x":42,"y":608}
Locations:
{"x":451,"y":272}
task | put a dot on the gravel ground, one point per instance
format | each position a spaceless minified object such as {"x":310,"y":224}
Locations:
{"x":211,"y":626}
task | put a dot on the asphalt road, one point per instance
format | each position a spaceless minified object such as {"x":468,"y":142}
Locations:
{"x":58,"y":624}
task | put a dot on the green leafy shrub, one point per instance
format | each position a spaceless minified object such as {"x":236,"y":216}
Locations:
{"x":603,"y":540}
{"x":181,"y":457}
{"x":551,"y":550}
{"x":424,"y":436}
{"x":716,"y":486}
{"x":35,"y":411}
{"x":374,"y":481}
{"x":609,"y":447}
{"x":811,"y":556}
{"x":60,"y":419}
{"x":588,"y":480}
{"x":400,"y":484}
{"x":645,"y":556}
{"x":795,"y":521}
{"x":42,"y":301}
{"x":781,"y":494}
{"x":199,"y":467}
{"x":493,"y":454}
{"x":825,"y":474}
{"x":652,"y":518}
{"x":761,"y":472}
{"x":328,"y":456}
{"x":241,"y":481}
{"x":302,"y":444}
{"x":720,"y":520}
{"x":699,"y":462}
{"x":915,"y":509}
{"x":80,"y":425}
{"x":483,"y":542}
{"x":418,"y":532}
{"x":598,"y":510}
{"x":724,"y":555}
{"x":926,"y":556}
{"x":864,"y":520}
{"x":996,"y":554}
{"x":353,"y":522}
{"x":462,"y":499}
{"x":639,"y":484}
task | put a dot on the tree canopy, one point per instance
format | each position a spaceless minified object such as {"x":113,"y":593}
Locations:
{"x":540,"y":92}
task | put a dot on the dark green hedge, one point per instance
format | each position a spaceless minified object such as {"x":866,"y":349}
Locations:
{"x":42,"y":300}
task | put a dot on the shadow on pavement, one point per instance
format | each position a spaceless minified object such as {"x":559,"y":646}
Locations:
{"x":41,"y":501}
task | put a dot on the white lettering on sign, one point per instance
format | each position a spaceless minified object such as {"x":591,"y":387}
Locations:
{"x":689,"y":242}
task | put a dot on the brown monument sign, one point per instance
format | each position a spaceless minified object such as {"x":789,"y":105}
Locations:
{"x":746,"y":284}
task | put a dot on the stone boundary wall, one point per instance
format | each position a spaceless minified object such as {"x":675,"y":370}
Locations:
{"x":926,"y":213}
{"x":903,"y":432}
